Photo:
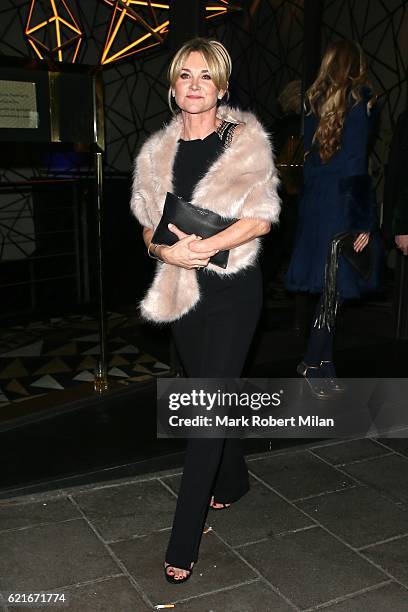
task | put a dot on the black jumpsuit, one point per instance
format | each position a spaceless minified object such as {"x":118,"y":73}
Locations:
{"x":212,"y":341}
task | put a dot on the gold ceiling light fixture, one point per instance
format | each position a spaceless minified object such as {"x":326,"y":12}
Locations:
{"x":144,"y":24}
{"x":217,"y":9}
{"x":52,"y":30}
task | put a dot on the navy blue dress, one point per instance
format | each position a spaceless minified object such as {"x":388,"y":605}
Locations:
{"x":322,"y":210}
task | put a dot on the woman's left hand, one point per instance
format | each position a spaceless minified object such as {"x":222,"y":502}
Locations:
{"x":198,"y":246}
{"x":173,"y":228}
{"x":361,"y":241}
{"x":240,"y":232}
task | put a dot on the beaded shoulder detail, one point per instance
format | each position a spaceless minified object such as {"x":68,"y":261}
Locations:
{"x":226,"y":132}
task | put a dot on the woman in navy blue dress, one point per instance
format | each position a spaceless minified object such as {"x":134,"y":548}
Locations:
{"x":338,"y":123}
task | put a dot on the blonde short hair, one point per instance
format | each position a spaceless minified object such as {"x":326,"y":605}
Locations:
{"x":215,"y":55}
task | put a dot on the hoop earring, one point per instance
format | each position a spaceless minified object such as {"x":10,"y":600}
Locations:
{"x":170,"y":97}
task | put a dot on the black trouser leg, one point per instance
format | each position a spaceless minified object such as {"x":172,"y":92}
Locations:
{"x":201,"y":462}
{"x":231,"y":481}
{"x":213,"y":342}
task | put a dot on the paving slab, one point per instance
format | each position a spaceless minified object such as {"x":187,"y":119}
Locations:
{"x":84,"y":488}
{"x":254,"y":597}
{"x":111,"y":595}
{"x":237,"y":526}
{"x":311,"y":567}
{"x":46,"y":544}
{"x":260,"y":514}
{"x":388,"y":475}
{"x":15,"y":515}
{"x":393,"y":557}
{"x":128,"y":510}
{"x":399,"y":445}
{"x":391,"y":597}
{"x":217,"y":568}
{"x":347,"y":452}
{"x":299,"y":475}
{"x":48,"y":556}
{"x":27,"y":496}
{"x":359,"y":516}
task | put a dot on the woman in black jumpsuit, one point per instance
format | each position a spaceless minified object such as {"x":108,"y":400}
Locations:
{"x":213,"y":318}
{"x":228,"y":304}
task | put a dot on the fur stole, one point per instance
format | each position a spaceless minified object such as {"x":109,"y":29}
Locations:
{"x":241,"y":183}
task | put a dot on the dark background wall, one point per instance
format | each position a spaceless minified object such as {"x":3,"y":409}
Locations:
{"x":266,"y":44}
{"x":266,"y":49}
{"x":265,"y":41}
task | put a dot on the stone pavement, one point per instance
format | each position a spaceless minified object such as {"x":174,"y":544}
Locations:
{"x":325,"y":526}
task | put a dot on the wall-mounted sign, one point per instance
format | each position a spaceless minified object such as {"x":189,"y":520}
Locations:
{"x":41,"y":105}
{"x":18,"y":105}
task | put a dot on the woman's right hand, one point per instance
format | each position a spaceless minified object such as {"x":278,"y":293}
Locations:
{"x":361,"y":241}
{"x":179,"y":254}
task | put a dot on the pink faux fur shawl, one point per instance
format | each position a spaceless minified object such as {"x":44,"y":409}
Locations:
{"x":242,"y":182}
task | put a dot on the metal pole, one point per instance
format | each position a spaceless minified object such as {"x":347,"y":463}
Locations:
{"x":101,"y":374}
{"x":101,"y":379}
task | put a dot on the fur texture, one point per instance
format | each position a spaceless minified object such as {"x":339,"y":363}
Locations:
{"x":241,"y":183}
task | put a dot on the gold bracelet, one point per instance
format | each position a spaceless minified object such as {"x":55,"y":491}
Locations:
{"x":152,"y":254}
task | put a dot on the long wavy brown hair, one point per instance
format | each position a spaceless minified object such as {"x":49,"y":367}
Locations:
{"x":343,"y":73}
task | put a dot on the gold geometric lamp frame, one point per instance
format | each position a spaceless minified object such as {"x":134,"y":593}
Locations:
{"x":217,"y":9}
{"x":53,"y":31}
{"x":151,"y":21}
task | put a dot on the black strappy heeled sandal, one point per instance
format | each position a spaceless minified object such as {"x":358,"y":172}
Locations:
{"x":317,"y":385}
{"x":173,"y":579}
{"x":334,"y":384}
{"x":223,"y":506}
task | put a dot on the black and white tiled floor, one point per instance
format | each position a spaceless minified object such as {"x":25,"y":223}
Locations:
{"x":60,"y":353}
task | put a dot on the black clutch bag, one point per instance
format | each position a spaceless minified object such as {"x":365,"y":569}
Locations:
{"x":362,"y":261}
{"x":191,"y":220}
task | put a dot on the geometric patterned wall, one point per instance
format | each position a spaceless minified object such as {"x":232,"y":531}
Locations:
{"x":135,"y":90}
{"x":265,"y":42}
{"x":381,"y":27}
{"x":266,"y":50}
{"x":266,"y":45}
{"x":382,"y":30}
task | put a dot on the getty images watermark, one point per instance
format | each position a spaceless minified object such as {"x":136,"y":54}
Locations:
{"x":209,"y":400}
{"x":222,"y":399}
{"x":279,"y":408}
